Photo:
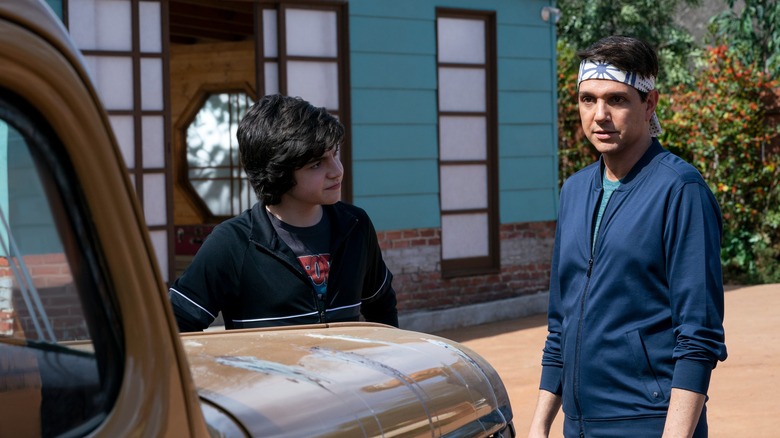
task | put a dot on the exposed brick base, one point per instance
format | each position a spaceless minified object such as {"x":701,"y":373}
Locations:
{"x":414,"y":258}
{"x":52,"y":282}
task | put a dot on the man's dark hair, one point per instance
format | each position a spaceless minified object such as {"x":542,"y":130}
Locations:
{"x":280,"y":134}
{"x":626,"y":53}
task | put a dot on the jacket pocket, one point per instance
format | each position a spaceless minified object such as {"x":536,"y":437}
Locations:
{"x":643,"y":367}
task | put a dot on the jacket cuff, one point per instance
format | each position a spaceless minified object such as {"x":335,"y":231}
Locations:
{"x":551,"y":379}
{"x":692,"y":375}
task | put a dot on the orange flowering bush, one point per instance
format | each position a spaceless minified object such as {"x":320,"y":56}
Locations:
{"x":720,"y":125}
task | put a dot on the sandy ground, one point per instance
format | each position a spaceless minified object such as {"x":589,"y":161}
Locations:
{"x":744,"y":392}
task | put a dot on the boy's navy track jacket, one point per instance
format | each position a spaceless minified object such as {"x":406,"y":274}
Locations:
{"x":643,"y":311}
{"x":245,"y":270}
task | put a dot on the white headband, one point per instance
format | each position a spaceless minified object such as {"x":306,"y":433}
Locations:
{"x":590,"y":69}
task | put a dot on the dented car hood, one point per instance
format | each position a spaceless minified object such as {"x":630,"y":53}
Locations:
{"x":347,"y":380}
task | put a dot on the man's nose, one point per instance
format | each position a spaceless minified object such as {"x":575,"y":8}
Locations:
{"x":602,"y":110}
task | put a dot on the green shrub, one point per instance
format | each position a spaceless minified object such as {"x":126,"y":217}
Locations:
{"x":574,"y":150}
{"x":719,"y":124}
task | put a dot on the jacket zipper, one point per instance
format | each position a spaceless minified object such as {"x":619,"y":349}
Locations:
{"x":335,"y":250}
{"x":580,"y":323}
{"x":319,"y":302}
{"x":577,"y":352}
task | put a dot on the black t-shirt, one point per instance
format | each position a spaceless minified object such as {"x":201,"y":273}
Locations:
{"x":312,"y":247}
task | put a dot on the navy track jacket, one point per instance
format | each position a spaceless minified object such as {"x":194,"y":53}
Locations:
{"x":640,"y":312}
{"x":245,"y":270}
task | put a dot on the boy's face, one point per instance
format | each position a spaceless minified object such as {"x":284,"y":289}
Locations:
{"x":317,"y":183}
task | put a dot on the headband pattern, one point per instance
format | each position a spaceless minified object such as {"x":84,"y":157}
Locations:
{"x":593,"y":69}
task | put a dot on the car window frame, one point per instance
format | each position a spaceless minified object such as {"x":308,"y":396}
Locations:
{"x":81,"y":247}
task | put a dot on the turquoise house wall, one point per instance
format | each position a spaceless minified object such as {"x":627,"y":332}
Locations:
{"x":394,"y":110}
{"x":56,"y":6}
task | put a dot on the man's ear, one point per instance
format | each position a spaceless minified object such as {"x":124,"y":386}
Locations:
{"x":652,"y":102}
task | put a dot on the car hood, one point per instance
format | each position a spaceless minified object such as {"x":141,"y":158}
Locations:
{"x":347,"y":380}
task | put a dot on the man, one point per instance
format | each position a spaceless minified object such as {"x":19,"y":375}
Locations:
{"x":636,"y":297}
{"x":298,"y":256}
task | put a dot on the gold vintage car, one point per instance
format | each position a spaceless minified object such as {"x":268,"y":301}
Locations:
{"x":88,"y":342}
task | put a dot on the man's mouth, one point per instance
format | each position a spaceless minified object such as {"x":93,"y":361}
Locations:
{"x":604,"y":134}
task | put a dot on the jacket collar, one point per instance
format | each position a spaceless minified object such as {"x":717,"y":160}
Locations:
{"x":263,"y":232}
{"x":637,"y":172}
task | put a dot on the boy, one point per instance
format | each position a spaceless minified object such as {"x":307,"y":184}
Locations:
{"x":298,"y":256}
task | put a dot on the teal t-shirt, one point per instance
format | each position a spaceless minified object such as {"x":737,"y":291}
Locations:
{"x":609,"y":188}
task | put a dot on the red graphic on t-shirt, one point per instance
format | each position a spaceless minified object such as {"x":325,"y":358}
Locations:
{"x":317,"y":266}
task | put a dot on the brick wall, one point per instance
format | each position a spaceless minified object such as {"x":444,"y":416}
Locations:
{"x":53,"y":285}
{"x":412,"y":255}
{"x":414,"y":258}
{"x":7,"y":315}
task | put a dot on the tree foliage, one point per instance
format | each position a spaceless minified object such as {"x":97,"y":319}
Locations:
{"x":584,"y":22}
{"x":719,"y":124}
{"x":752,"y":33}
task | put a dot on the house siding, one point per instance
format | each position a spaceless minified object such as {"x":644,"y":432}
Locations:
{"x":395,"y":146}
{"x":394,"y":150}
{"x":394,"y":110}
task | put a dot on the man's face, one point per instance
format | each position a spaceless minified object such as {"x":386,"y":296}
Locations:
{"x":614,"y":117}
{"x":318,"y":182}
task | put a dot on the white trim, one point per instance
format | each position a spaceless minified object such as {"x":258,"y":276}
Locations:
{"x":193,"y":302}
{"x":277,"y":318}
{"x":387,"y":271}
{"x":343,"y":307}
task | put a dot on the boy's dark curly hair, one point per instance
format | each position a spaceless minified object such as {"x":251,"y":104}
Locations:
{"x":280,"y":134}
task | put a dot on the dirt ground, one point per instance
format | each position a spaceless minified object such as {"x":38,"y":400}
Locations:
{"x":744,"y":391}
